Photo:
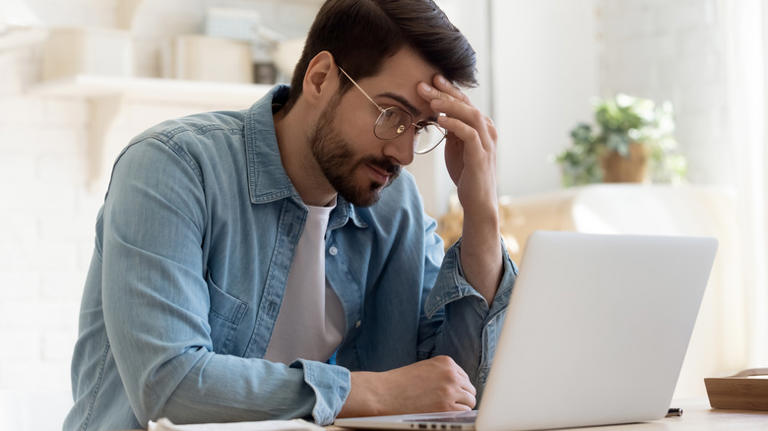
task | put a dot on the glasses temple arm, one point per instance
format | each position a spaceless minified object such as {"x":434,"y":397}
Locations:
{"x":361,"y":90}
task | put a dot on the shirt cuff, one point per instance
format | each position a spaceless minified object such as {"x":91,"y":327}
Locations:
{"x":451,"y":285}
{"x":331,"y":385}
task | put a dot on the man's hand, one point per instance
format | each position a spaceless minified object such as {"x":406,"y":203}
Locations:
{"x":432,"y":385}
{"x":470,"y":156}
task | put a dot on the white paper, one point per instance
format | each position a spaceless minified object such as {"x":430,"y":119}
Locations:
{"x":291,"y":425}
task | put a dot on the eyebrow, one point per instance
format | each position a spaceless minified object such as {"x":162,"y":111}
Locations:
{"x":415,"y":112}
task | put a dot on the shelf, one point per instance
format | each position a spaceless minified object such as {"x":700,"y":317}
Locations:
{"x":153,"y":90}
{"x":107,"y":95}
{"x":20,"y":37}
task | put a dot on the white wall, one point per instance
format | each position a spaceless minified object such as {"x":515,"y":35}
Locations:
{"x":431,"y":175}
{"x":672,"y":50}
{"x":46,"y":237}
{"x":545,"y":59}
{"x":550,"y":58}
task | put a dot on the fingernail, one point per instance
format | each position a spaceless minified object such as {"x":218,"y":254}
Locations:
{"x":442,"y":79}
{"x":424,"y":86}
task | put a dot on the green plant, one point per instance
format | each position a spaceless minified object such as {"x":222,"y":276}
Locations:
{"x":621,"y":121}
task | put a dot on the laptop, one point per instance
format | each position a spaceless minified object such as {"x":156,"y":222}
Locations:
{"x":595,"y":334}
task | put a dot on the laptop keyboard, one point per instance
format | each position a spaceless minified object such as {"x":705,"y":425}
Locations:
{"x":462,"y":418}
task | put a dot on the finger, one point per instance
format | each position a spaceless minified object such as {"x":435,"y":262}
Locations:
{"x":462,"y":131}
{"x":429,"y":93}
{"x":471,"y":116}
{"x":469,"y":387}
{"x":459,"y":128}
{"x":445,"y":86}
{"x":464,"y":382}
{"x":463,"y":112}
{"x":465,"y":399}
{"x":451,"y":93}
{"x":492,"y":129}
{"x":461,"y":123}
{"x":461,"y":373}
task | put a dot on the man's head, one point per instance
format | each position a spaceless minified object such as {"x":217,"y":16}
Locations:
{"x":361,"y":34}
{"x":388,"y":47}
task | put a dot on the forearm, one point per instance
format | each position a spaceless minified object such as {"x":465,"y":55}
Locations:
{"x":481,"y":258}
{"x":226,"y":388}
{"x":222,"y":388}
{"x":202,"y":386}
{"x":469,"y":327}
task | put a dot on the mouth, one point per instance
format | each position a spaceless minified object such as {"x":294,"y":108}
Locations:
{"x":380,"y":175}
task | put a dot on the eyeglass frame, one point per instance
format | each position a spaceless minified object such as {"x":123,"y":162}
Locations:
{"x":417,"y":126}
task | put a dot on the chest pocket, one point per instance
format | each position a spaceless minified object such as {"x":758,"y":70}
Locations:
{"x":224,"y":316}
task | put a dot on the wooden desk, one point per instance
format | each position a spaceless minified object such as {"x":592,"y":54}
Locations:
{"x":697,"y":416}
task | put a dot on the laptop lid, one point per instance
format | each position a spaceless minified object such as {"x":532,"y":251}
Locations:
{"x":596,"y":330}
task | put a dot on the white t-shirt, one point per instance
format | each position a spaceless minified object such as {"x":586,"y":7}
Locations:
{"x":311,"y":322}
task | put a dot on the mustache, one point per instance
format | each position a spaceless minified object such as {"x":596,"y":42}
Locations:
{"x":384,"y":164}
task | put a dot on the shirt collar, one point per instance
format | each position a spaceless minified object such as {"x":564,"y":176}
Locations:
{"x":267,"y":179}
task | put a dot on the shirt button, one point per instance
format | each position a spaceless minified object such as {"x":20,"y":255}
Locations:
{"x":357,"y":324}
{"x":333,"y":251}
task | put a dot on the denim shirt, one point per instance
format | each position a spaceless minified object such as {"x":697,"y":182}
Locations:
{"x":193,"y":246}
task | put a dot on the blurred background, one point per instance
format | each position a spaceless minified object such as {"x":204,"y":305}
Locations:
{"x":632,"y":116}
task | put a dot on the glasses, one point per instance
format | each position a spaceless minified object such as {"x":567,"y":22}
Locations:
{"x":393,"y":122}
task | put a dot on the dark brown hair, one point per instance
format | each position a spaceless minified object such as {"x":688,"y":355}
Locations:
{"x":362,"y":33}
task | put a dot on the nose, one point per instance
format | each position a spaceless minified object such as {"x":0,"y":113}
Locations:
{"x":401,"y":148}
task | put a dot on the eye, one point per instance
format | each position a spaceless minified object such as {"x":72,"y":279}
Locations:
{"x":396,"y":119}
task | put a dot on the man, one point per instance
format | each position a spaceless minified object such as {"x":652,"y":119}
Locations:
{"x":276,"y":262}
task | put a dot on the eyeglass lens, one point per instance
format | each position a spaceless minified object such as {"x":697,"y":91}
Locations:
{"x":393,"y":122}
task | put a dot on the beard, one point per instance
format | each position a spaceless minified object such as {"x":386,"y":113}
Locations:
{"x":338,"y":162}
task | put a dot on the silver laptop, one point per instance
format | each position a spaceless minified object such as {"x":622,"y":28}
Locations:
{"x":595,"y":333}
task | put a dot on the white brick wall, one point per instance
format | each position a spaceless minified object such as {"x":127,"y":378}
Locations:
{"x":671,"y":50}
{"x":42,"y":230}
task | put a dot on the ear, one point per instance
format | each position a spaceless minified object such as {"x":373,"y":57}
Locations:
{"x":321,"y":80}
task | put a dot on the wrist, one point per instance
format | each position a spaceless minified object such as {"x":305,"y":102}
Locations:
{"x":364,"y":397}
{"x":480,"y":228}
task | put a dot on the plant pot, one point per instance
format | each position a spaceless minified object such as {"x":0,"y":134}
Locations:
{"x":631,"y":169}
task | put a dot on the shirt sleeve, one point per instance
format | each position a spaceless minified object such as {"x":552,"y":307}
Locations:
{"x":457,"y":320}
{"x":156,"y":304}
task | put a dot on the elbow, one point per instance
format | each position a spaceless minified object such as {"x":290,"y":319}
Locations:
{"x":155,"y":392}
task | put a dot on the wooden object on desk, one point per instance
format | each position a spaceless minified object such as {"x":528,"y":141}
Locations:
{"x":740,"y":391}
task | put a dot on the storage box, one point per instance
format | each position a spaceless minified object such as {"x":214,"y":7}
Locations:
{"x":87,"y":51}
{"x":232,"y":23}
{"x":203,"y":58}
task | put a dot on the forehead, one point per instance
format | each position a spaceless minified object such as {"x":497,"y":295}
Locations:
{"x":400,"y":74}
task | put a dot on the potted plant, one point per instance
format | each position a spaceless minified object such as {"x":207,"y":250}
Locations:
{"x":633,"y":142}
